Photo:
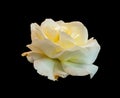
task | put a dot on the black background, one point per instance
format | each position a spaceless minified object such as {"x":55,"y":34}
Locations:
{"x":100,"y":22}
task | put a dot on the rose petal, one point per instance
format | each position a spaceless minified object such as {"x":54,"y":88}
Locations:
{"x":65,"y":41}
{"x":92,"y":69}
{"x":51,"y":29}
{"x":76,"y":30}
{"x":86,"y":54}
{"x":47,"y":47}
{"x":58,"y":70}
{"x":36,"y":32}
{"x":60,"y":22}
{"x":45,"y":67}
{"x":32,"y":56}
{"x":35,"y":47}
{"x":79,"y":69}
{"x":50,"y":68}
{"x":63,"y":27}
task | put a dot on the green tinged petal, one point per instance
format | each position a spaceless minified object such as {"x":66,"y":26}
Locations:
{"x":45,"y":66}
{"x":85,"y":55}
{"x":50,"y":68}
{"x":79,"y":69}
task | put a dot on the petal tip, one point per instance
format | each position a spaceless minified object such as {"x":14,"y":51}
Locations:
{"x":93,"y":71}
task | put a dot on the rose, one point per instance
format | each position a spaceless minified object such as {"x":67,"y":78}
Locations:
{"x":59,"y":49}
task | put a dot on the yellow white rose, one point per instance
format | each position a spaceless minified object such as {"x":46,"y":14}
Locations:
{"x":59,"y":49}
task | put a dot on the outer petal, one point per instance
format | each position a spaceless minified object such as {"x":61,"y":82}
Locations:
{"x":46,"y":46}
{"x":51,"y":29}
{"x":58,"y":70}
{"x":36,"y":32}
{"x":92,"y":69}
{"x":79,"y":69}
{"x":45,"y":67}
{"x":35,"y":47}
{"x":49,"y":67}
{"x":86,"y":54}
{"x":32,"y":56}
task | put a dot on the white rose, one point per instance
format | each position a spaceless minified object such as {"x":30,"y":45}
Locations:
{"x":59,"y":49}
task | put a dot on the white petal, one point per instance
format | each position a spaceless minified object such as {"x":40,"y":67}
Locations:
{"x":86,"y":54}
{"x":79,"y":69}
{"x":60,"y":22}
{"x":65,"y":41}
{"x":51,"y":29}
{"x":32,"y":56}
{"x":74,"y":69}
{"x":50,"y":68}
{"x":36,"y":32}
{"x":50,"y":24}
{"x":92,"y":69}
{"x":35,"y":47}
{"x":58,"y":70}
{"x":76,"y":30}
{"x":45,"y":67}
{"x":47,"y":47}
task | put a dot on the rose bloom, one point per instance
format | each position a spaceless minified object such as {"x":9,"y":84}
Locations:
{"x":59,"y":49}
